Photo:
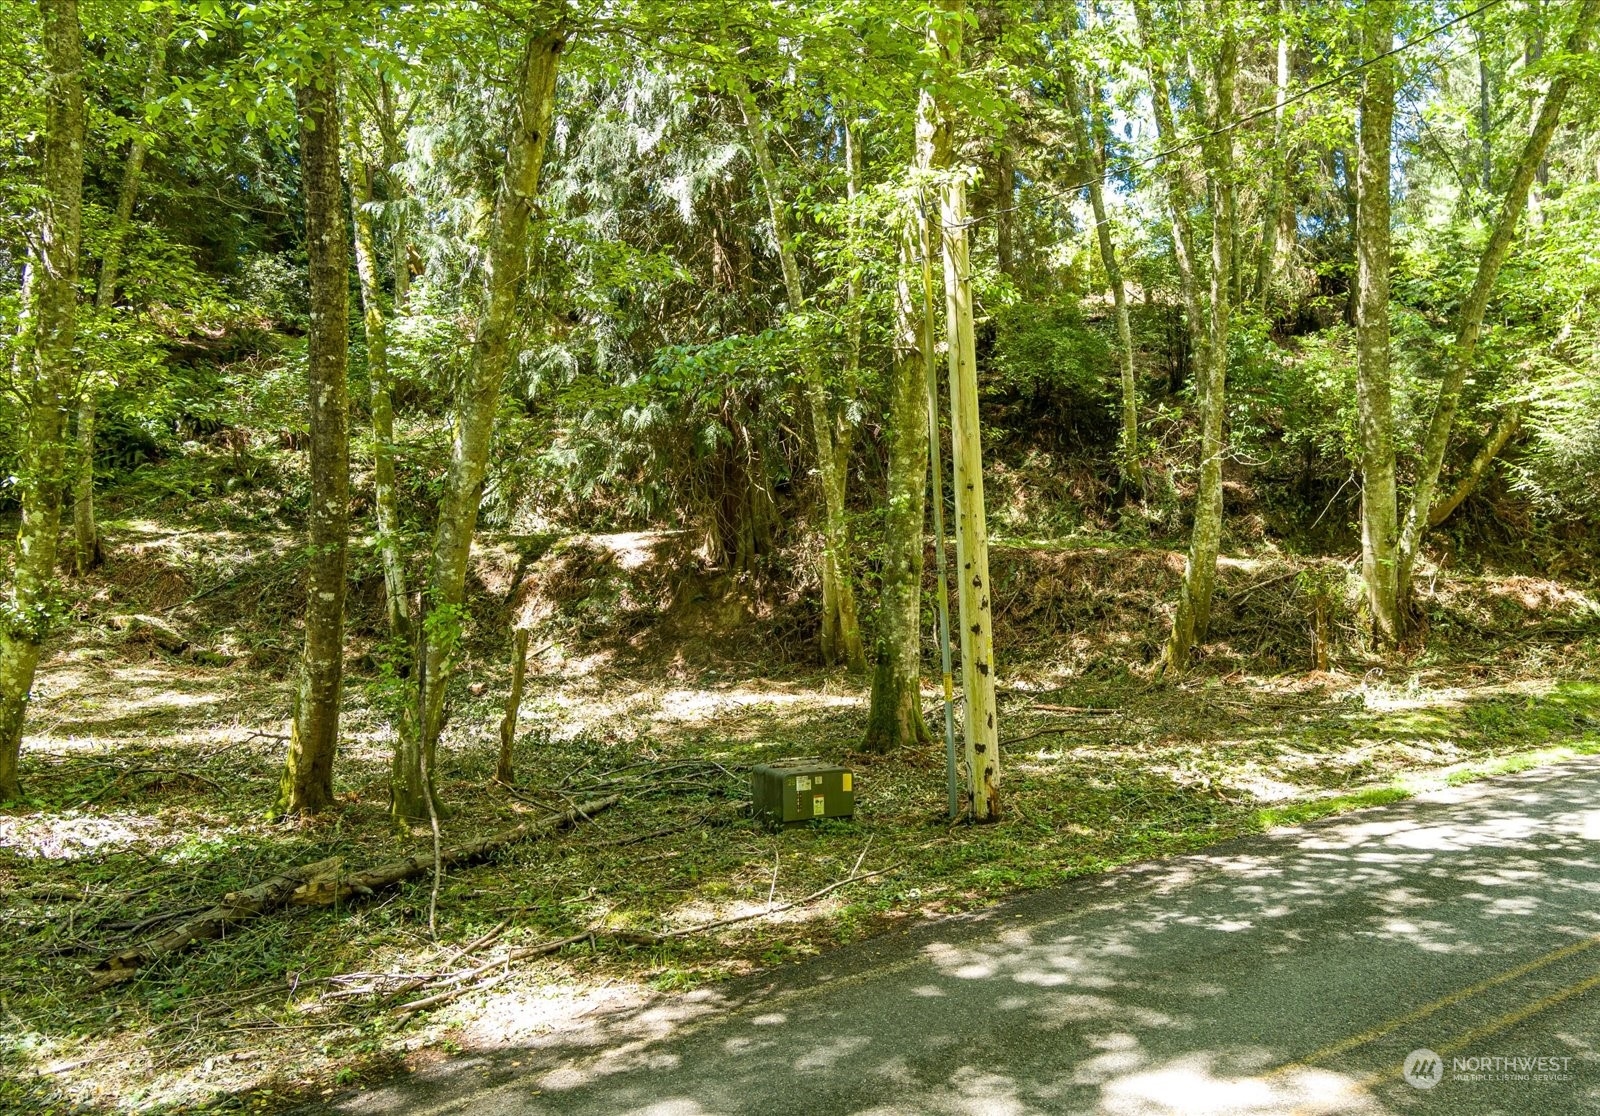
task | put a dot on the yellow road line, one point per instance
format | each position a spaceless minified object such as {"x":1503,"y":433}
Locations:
{"x":1495,"y":1026}
{"x":1374,"y":1033}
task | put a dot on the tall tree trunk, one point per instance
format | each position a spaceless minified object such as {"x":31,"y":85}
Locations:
{"x":1005,"y":193}
{"x":380,"y":383}
{"x":44,"y":374}
{"x":1092,"y":159}
{"x":1193,"y":616}
{"x":1179,"y":199}
{"x":307,"y":783}
{"x":87,"y":551}
{"x":841,"y":629}
{"x":1469,"y":319}
{"x":1272,"y":205}
{"x":981,"y":737}
{"x":894,"y":718}
{"x":477,"y":399}
{"x":1379,"y":515}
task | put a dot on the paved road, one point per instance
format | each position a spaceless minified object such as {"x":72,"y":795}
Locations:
{"x":1291,"y":973}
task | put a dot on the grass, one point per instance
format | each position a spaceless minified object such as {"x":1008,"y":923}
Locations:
{"x":148,"y":776}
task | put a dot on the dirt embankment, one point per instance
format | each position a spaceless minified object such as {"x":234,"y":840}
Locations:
{"x":645,"y":598}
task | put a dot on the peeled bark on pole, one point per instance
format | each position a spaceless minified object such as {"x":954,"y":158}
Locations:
{"x":380,"y":385}
{"x":841,"y":628}
{"x":894,"y":719}
{"x":1379,"y":515}
{"x":504,"y":771}
{"x":88,"y":552}
{"x":1469,"y":319}
{"x":307,"y":783}
{"x":1193,"y":616}
{"x":477,"y":400}
{"x":43,"y":376}
{"x":981,"y":735}
{"x":1092,"y":166}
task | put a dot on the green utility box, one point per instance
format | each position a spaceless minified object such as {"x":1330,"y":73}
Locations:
{"x":791,"y":791}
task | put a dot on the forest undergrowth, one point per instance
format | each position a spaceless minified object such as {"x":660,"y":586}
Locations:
{"x":158,"y":740}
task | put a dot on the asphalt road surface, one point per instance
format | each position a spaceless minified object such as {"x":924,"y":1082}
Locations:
{"x":1291,"y":973}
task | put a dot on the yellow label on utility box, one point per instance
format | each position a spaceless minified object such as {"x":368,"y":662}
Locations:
{"x":847,"y":780}
{"x":818,"y":805}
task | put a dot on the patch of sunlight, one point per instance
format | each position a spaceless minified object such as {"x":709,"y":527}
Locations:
{"x":692,"y":705}
{"x":73,"y":836}
{"x":1189,"y":1085}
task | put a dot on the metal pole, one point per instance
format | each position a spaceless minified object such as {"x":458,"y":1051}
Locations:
{"x":936,"y":465}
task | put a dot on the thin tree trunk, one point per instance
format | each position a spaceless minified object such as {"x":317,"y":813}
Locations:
{"x":44,"y":373}
{"x":981,"y":738}
{"x":1092,"y":160}
{"x":307,"y":783}
{"x":381,"y":385}
{"x":1469,"y":320}
{"x":1005,"y":191}
{"x":88,"y":551}
{"x":894,"y":719}
{"x":1179,"y":200}
{"x":1379,"y":515}
{"x":1277,"y":190}
{"x":1193,"y":616}
{"x":504,"y":771}
{"x":478,"y":398}
{"x":841,"y":630}
{"x":1504,"y":430}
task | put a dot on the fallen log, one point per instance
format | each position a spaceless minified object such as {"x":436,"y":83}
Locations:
{"x":235,"y":907}
{"x":320,"y":883}
{"x":329,"y":887}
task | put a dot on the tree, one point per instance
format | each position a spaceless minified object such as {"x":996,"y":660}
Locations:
{"x":1193,"y":616}
{"x":1469,"y":319}
{"x":841,"y":628}
{"x":307,"y":783}
{"x":45,"y":354}
{"x":894,"y":718}
{"x":88,"y":553}
{"x":380,"y":381}
{"x":1179,"y":199}
{"x":1375,"y":409}
{"x":1093,"y":161}
{"x":477,"y":400}
{"x":935,"y":142}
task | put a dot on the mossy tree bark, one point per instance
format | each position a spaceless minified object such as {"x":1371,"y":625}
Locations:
{"x":1375,"y":411}
{"x":1469,"y":319}
{"x":88,"y":552}
{"x":841,"y":628}
{"x":1193,"y":616}
{"x":307,"y":783}
{"x":44,"y":374}
{"x":380,"y":381}
{"x":894,"y":719}
{"x":477,"y":399}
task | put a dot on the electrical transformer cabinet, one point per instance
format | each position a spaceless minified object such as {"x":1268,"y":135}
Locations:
{"x":793,"y":791}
